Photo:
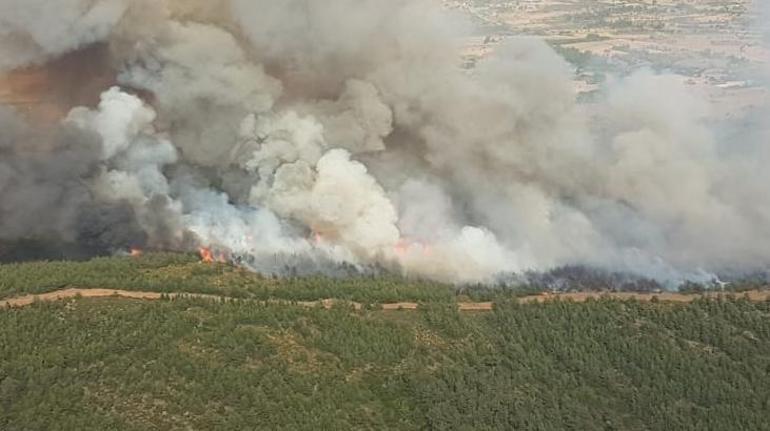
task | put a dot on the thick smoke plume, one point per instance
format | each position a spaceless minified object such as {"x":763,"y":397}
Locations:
{"x":344,"y":131}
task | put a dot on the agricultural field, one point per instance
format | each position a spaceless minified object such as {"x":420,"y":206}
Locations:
{"x":716,"y":46}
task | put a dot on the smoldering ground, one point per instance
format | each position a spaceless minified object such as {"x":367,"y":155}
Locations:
{"x":344,"y":131}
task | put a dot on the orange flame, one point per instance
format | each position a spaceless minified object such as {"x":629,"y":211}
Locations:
{"x":401,"y":248}
{"x":406,"y":246}
{"x":207,"y":256}
{"x":136,"y":252}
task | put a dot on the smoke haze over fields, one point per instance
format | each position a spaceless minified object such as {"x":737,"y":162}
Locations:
{"x":344,"y":131}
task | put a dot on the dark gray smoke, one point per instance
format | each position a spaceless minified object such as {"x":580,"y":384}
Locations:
{"x":48,"y":200}
{"x":42,"y":175}
{"x":344,"y":131}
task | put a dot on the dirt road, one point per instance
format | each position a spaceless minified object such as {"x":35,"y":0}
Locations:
{"x":23,"y":301}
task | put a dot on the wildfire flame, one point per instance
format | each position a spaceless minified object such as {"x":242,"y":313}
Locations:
{"x":407,"y":246}
{"x":401,"y":248}
{"x":207,"y":256}
{"x":136,"y":252}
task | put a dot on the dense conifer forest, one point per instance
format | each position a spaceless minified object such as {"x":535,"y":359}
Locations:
{"x":202,"y":364}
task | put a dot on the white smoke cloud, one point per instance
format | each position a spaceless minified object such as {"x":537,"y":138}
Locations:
{"x":345,"y":129}
{"x":471,"y":255}
{"x":33,"y":31}
{"x":119,"y":120}
{"x":251,"y":231}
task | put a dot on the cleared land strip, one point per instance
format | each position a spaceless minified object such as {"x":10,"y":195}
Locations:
{"x":23,"y":301}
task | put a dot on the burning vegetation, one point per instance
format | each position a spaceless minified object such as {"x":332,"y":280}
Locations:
{"x":332,"y":133}
{"x":209,"y":255}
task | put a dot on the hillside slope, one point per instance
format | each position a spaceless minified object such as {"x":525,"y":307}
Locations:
{"x":198,"y":363}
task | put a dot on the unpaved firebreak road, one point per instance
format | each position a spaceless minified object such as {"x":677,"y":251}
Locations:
{"x":72,"y":293}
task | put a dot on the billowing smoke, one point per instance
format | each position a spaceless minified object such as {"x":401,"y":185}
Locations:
{"x":762,"y":25}
{"x":344,"y":131}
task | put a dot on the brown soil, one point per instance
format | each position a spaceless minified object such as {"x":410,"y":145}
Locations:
{"x":71,"y":293}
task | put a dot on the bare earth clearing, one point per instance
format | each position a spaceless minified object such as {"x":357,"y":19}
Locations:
{"x":72,"y":293}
